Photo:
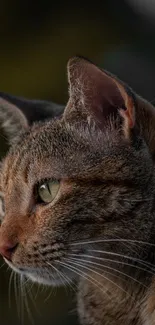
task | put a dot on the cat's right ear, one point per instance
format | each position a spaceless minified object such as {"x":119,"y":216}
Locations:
{"x":16,"y":114}
{"x":97,"y":96}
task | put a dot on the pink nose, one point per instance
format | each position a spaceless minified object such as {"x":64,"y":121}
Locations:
{"x":7,"y":249}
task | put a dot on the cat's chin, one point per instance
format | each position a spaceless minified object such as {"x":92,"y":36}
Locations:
{"x":49,"y":279}
{"x":46,"y":281}
{"x":54,"y":280}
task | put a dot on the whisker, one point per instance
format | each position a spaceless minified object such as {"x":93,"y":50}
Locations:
{"x":124,"y":256}
{"x":103,"y":276}
{"x":111,"y":240}
{"x":49,"y":295}
{"x":10,"y":282}
{"x":116,"y":240}
{"x":64,"y":277}
{"x":26,"y":280}
{"x":19,"y":298}
{"x":37,"y":292}
{"x":82,"y":274}
{"x":53,"y":291}
{"x":16,"y":293}
{"x":99,"y":267}
{"x":27,"y":306}
{"x":110,"y":268}
{"x":2,"y":265}
{"x":22,"y":301}
{"x":127,"y":293}
{"x":132,"y":249}
{"x":113,"y":261}
{"x":29,"y":293}
{"x":69,"y":282}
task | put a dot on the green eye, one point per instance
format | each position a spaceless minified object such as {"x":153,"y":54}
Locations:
{"x":47,"y":191}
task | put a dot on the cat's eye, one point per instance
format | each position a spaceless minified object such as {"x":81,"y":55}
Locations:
{"x":48,"y":190}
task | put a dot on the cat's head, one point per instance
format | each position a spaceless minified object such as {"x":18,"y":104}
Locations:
{"x":80,"y":181}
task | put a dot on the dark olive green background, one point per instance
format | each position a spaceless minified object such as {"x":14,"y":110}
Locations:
{"x":36,"y":40}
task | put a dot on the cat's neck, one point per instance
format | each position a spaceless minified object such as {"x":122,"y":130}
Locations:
{"x":112,"y":301}
{"x":112,"y":297}
{"x":121,"y":286}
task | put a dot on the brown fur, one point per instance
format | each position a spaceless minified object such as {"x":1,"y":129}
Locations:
{"x":102,"y":151}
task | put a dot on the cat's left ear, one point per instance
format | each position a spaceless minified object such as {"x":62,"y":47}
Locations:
{"x":17,"y":113}
{"x":97,"y":95}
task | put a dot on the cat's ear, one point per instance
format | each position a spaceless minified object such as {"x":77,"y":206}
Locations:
{"x":17,"y":113}
{"x":98,"y":95}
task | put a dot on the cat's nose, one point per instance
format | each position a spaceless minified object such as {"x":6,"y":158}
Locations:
{"x":7,"y":249}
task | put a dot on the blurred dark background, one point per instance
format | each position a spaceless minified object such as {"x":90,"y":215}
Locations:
{"x":36,"y":40}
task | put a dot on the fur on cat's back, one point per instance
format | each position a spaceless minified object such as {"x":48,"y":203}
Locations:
{"x":78,"y":195}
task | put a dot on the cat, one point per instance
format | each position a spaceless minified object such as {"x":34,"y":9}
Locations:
{"x":78,"y":195}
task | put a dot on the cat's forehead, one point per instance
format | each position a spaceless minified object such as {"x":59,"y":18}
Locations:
{"x":60,"y":150}
{"x":51,"y":147}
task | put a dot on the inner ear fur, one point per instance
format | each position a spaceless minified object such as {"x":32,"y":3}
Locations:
{"x":97,"y":94}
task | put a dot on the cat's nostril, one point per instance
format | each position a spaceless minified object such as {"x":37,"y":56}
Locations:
{"x":7,"y":250}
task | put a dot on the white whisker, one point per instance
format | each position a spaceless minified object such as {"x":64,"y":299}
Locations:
{"x":83,"y":275}
{"x":99,"y":267}
{"x":111,"y":240}
{"x":113,"y":261}
{"x":21,"y":300}
{"x":29,"y":293}
{"x":120,"y":255}
{"x":27,"y":305}
{"x":132,"y":249}
{"x":62,"y":276}
{"x":2,"y":265}
{"x":110,"y":268}
{"x":16,"y":293}
{"x":10,"y":282}
{"x":103,"y":276}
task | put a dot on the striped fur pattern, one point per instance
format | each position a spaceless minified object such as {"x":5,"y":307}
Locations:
{"x":100,"y":228}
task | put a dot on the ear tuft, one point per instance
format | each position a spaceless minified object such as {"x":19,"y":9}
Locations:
{"x":128,"y":113}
